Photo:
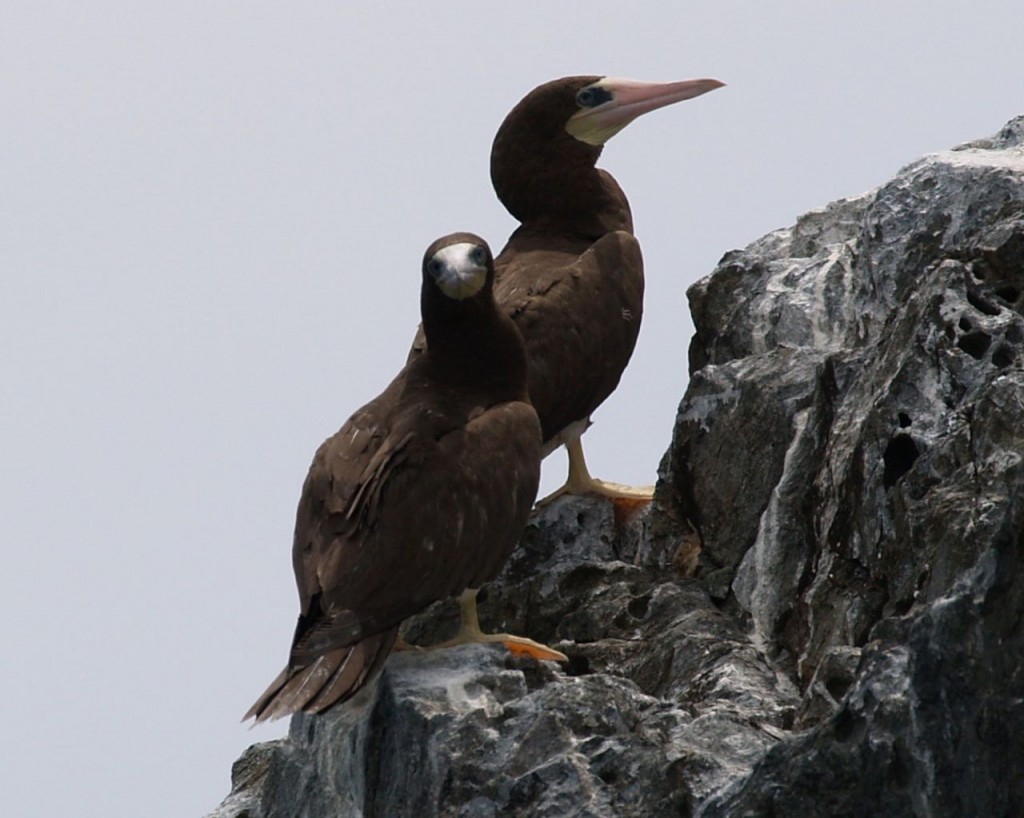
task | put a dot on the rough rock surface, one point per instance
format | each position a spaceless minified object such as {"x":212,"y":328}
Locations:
{"x":664,"y":700}
{"x":823,"y":611}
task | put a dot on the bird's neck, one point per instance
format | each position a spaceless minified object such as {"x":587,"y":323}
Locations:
{"x":561,"y":192}
{"x":472,"y":342}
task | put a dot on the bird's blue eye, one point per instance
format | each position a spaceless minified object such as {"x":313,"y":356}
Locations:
{"x":478,"y":256}
{"x":434,"y":267}
{"x":585,"y":98}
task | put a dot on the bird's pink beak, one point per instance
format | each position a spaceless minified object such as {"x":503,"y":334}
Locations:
{"x":630,"y":99}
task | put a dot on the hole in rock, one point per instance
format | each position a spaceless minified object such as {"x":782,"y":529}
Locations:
{"x":904,"y":420}
{"x":901,"y":606}
{"x":898,"y":457}
{"x":580,"y":579}
{"x":981,"y":305}
{"x":1003,"y":356}
{"x":847,"y":726}
{"x":965,"y":323}
{"x":1013,"y":334}
{"x":974,"y":344}
{"x":608,"y":774}
{"x":837,"y":685}
{"x":638,"y":606}
{"x":578,"y":665}
{"x":1008,"y":293}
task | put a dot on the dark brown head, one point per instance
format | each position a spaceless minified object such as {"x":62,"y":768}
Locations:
{"x":460,"y":266}
{"x":543,"y":157}
{"x":469,"y":340}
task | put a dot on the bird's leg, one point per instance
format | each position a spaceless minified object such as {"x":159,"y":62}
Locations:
{"x":579,"y":480}
{"x":469,"y":631}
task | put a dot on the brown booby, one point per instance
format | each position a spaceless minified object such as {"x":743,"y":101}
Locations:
{"x":571,"y":275}
{"x":421,"y":495}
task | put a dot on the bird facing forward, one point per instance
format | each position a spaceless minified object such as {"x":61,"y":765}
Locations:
{"x":421,"y":495}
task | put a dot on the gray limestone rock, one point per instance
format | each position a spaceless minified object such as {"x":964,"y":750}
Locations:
{"x":877,"y":350}
{"x":823,"y":611}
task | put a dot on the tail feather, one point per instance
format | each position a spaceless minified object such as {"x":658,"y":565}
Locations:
{"x":363,"y":663}
{"x":306,"y":683}
{"x":268,"y":695}
{"x":332,"y":678}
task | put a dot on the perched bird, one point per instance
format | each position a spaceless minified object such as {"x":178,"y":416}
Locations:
{"x":421,"y":495}
{"x":571,"y":276}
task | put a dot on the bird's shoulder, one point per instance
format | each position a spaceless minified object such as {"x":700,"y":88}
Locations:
{"x":414,"y":428}
{"x":372,"y":442}
{"x":538,"y":270}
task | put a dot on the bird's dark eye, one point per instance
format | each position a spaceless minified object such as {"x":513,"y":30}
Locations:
{"x":478,"y":256}
{"x":434,"y":267}
{"x":592,"y":96}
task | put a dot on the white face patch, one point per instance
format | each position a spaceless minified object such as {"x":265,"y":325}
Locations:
{"x":458,"y":275}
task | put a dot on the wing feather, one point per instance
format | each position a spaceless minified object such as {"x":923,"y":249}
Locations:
{"x":578,"y":306}
{"x":394,"y":514}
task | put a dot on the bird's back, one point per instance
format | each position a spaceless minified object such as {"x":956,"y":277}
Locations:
{"x":578,"y":304}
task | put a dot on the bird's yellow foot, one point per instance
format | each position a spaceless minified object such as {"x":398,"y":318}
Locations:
{"x":519,"y":645}
{"x":469,"y":632}
{"x":617,"y":491}
{"x":580,"y":482}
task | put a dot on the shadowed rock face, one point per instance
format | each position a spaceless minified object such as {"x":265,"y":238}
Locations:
{"x":823,"y":612}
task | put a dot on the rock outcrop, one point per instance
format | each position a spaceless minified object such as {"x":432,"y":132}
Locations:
{"x":823,"y":611}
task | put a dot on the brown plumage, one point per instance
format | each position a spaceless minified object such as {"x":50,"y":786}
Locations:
{"x":421,"y":494}
{"x":571,"y":276}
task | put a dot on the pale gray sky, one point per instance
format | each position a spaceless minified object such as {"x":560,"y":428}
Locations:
{"x":212,"y":216}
